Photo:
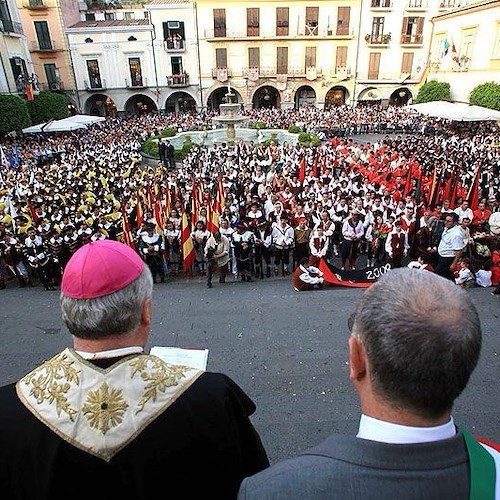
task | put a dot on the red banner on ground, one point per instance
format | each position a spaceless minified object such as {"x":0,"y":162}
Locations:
{"x":361,"y":278}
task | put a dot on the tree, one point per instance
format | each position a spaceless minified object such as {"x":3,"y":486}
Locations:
{"x":14,"y":114}
{"x":487,"y":95}
{"x":48,"y":106}
{"x":434,"y":91}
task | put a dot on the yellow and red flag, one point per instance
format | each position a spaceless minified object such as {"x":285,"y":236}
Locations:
{"x":127,"y":236}
{"x":188,"y":255}
{"x":139,"y":213}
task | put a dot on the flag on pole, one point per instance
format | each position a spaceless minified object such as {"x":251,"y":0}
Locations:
{"x":168,"y":203}
{"x":212,"y":219}
{"x":188,"y":255}
{"x":473,"y":195}
{"x":127,"y":235}
{"x":446,"y":46}
{"x":28,"y":88}
{"x":139,"y":213}
{"x":302,"y":169}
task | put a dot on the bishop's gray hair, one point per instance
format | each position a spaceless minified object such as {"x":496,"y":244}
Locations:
{"x":118,"y":312}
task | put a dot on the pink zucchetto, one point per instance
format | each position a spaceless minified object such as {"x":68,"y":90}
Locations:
{"x":100,"y":268}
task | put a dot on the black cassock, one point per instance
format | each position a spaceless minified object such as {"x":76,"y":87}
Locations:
{"x":201,"y":446}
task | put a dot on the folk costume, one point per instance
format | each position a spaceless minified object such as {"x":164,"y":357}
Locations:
{"x":307,"y":277}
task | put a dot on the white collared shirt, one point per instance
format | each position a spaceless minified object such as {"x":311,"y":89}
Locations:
{"x":111,"y":353}
{"x":386,"y":432}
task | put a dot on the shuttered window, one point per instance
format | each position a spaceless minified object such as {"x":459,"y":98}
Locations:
{"x":282,"y":60}
{"x":407,"y":63}
{"x":341,"y":57}
{"x":253,"y":22}
{"x":254,"y":57}
{"x":310,"y":56}
{"x":343,"y":19}
{"x":282,"y":21}
{"x":373,"y":66}
{"x":220,"y":23}
{"x":221,"y":58}
{"x":312,"y":18}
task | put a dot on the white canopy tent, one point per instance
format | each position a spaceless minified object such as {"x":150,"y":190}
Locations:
{"x":457,"y":111}
{"x":75,"y":122}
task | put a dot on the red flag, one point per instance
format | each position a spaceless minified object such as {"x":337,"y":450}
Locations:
{"x":194,"y":205}
{"x":139,"y":213}
{"x":407,"y":187}
{"x":302,"y":169}
{"x":212,"y":219}
{"x":127,"y":236}
{"x":315,"y":164}
{"x":33,"y":213}
{"x":219,"y":197}
{"x":29,"y":92}
{"x":473,"y":195}
{"x":188,"y":255}
{"x":454,"y":190}
{"x":433,"y":189}
{"x":168,"y":203}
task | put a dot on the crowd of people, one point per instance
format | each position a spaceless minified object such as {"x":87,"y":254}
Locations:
{"x":349,"y":203}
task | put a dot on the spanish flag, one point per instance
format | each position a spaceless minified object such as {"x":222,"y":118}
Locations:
{"x":187,"y":245}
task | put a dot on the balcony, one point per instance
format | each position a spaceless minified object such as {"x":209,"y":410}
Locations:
{"x":381,"y":5}
{"x":416,"y":39}
{"x":452,"y":4}
{"x":372,"y":39}
{"x":137,"y":83}
{"x":95,"y":85}
{"x":35,"y":5}
{"x":44,"y":46}
{"x":304,"y":32}
{"x":181,"y":80}
{"x":417,"y":5}
{"x":173,"y":46}
{"x":54,"y":86}
{"x":8,"y":26}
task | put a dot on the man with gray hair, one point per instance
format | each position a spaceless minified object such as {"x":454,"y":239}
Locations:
{"x":415,"y":340}
{"x":106,"y":420}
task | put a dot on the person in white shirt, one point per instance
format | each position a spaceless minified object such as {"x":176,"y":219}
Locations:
{"x":307,"y":277}
{"x":465,"y":276}
{"x":464,"y":211}
{"x":483,"y":276}
{"x":352,"y":232}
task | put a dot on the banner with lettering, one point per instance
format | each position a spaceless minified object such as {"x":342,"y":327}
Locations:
{"x":359,"y":278}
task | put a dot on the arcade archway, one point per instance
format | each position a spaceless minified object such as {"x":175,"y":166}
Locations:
{"x":336,"y":96}
{"x":100,"y":105}
{"x":266,"y":97}
{"x":370,"y":96}
{"x":218,"y":97}
{"x":400,"y":97}
{"x":305,"y":96}
{"x":139,"y":104}
{"x":180,"y":101}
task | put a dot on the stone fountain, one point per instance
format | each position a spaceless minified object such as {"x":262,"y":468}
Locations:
{"x":230,"y":115}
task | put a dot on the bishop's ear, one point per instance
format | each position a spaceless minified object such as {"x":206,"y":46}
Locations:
{"x":357,"y":359}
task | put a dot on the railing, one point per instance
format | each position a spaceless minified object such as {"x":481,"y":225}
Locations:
{"x":36,"y":4}
{"x":416,"y":39}
{"x":452,"y":4}
{"x":271,"y":34}
{"x":95,"y":85}
{"x":381,"y":4}
{"x":417,"y":4}
{"x":8,"y":26}
{"x":181,"y":80}
{"x":378,"y":39}
{"x":174,"y":45}
{"x":44,"y":46}
{"x":138,"y":83}
{"x":56,"y":85}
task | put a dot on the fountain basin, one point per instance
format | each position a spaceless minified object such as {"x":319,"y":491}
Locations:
{"x":219,"y":135}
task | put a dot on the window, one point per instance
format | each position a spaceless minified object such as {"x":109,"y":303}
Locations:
{"x":18,"y":67}
{"x":89,"y":16}
{"x":109,"y":16}
{"x":281,"y":21}
{"x":407,"y":62}
{"x":173,"y":34}
{"x":43,"y":36}
{"x":253,"y":22}
{"x":373,"y":66}
{"x":282,"y":60}
{"x":310,"y":57}
{"x":52,"y":76}
{"x":94,"y":74}
{"x":221,"y":58}
{"x":341,"y":57}
{"x":220,"y":23}
{"x":176,"y":65}
{"x":4,"y":12}
{"x":129,"y":15}
{"x":312,"y":17}
{"x":134,"y":64}
{"x":496,"y":47}
{"x":254,"y":57}
{"x":343,"y":19}
{"x":377,"y":27}
{"x":146,"y":14}
{"x":412,"y":30}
